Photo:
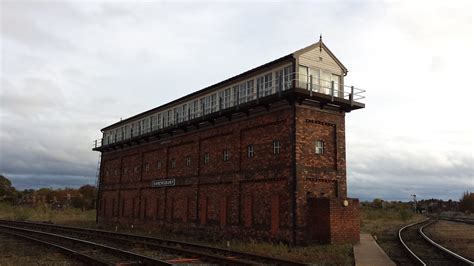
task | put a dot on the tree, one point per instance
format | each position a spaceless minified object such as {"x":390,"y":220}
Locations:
{"x":86,"y":197}
{"x":466,"y":204}
{"x":7,"y":192}
{"x":377,"y":203}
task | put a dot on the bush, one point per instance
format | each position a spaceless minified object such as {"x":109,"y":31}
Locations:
{"x":466,"y":204}
{"x":21,"y":214}
{"x":405,"y":215}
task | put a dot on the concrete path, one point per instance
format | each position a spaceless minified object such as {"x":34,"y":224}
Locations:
{"x":369,"y":253}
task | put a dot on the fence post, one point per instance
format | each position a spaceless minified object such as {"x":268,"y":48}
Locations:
{"x":351,"y":96}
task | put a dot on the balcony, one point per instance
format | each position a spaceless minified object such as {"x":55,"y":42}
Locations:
{"x":243,"y":99}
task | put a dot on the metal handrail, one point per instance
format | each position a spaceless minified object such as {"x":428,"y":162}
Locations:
{"x":256,"y":91}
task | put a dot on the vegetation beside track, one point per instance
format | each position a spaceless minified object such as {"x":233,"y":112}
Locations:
{"x":381,"y":220}
{"x":42,"y":213}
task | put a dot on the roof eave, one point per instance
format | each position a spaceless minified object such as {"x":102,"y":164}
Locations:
{"x":288,"y":57}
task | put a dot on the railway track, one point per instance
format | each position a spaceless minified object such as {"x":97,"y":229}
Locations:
{"x":424,"y":250}
{"x":82,"y":249}
{"x":457,"y":219}
{"x":150,"y":246}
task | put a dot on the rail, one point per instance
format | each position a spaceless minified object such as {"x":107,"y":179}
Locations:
{"x":141,"y":258}
{"x":230,"y":97}
{"x":406,"y":246}
{"x":203,"y":251}
{"x":74,"y":253}
{"x":449,"y":252}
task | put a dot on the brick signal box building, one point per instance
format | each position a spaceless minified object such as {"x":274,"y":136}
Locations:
{"x":260,"y":155}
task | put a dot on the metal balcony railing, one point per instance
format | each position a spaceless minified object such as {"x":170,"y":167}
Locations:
{"x":241,"y":93}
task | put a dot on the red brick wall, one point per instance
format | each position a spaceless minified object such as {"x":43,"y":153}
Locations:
{"x":319,"y":175}
{"x":152,"y":158}
{"x":331,"y":222}
{"x":243,"y":197}
{"x":216,"y":204}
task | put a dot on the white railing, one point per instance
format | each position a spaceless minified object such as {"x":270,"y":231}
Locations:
{"x":240,"y":94}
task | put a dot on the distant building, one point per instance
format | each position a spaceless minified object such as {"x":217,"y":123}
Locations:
{"x":260,"y":155}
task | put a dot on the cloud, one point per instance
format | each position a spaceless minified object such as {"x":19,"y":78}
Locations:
{"x":36,"y":181}
{"x":18,"y":24}
{"x":34,"y":96}
{"x":69,"y":69}
{"x":395,"y":175}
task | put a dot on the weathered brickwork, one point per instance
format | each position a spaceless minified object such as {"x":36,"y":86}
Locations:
{"x":222,"y":190}
{"x":332,"y":221}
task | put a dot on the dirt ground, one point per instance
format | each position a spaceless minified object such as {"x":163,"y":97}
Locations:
{"x":16,"y":251}
{"x":457,"y":237}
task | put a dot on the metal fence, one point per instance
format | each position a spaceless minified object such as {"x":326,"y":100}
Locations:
{"x":229,"y":97}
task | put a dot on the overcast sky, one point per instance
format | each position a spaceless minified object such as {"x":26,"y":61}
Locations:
{"x":69,"y":68}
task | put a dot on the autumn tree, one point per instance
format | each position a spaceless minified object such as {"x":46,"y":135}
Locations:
{"x":7,"y":192}
{"x":86,"y":198}
{"x":466,"y":204}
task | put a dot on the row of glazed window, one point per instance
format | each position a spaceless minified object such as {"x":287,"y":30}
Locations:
{"x":318,"y":150}
{"x":261,"y":86}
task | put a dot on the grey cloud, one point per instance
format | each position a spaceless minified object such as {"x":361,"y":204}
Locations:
{"x":21,"y":27}
{"x":32,"y":97}
{"x":394,"y":175}
{"x":37,"y":181}
{"x":69,"y":69}
{"x":421,"y":164}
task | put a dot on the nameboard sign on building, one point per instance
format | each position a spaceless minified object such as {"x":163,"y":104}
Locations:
{"x":163,"y":183}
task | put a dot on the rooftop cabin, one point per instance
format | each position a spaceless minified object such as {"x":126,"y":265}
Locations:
{"x":312,"y":73}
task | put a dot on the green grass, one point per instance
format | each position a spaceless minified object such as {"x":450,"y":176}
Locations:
{"x":42,"y":213}
{"x":374,"y":221}
{"x":315,"y":254}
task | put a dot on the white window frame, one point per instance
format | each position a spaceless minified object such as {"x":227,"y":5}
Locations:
{"x":225,"y":155}
{"x":319,"y":147}
{"x":276,"y":147}
{"x":268,"y":87}
{"x":250,"y":151}
{"x":188,"y":161}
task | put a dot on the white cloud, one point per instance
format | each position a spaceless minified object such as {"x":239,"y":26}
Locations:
{"x":71,"y":68}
